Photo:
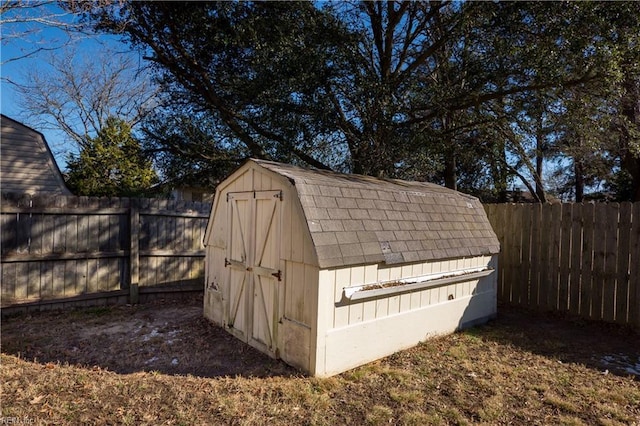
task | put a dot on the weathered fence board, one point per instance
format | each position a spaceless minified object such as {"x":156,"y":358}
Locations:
{"x":575,"y":268}
{"x":536,"y":217}
{"x":580,"y":258}
{"x":587,"y":259}
{"x":564,"y":285}
{"x":622,"y":290}
{"x":634,"y":266}
{"x":524,"y":273}
{"x":60,"y":247}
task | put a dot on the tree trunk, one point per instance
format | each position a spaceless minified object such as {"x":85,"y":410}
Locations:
{"x":578,"y":171}
{"x":539,"y":167}
{"x":450,"y":174}
{"x":538,"y":178}
{"x":631,"y":111}
{"x":500,"y":175}
{"x":632,"y":165}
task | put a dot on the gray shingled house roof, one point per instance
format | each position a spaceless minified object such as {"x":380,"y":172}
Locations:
{"x":356,"y":219}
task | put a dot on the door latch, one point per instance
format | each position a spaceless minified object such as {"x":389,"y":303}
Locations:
{"x":278,"y":275}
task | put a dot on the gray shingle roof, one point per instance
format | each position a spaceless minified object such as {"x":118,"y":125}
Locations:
{"x":356,"y":219}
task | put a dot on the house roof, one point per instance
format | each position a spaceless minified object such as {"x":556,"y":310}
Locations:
{"x":26,"y":162}
{"x":356,"y":219}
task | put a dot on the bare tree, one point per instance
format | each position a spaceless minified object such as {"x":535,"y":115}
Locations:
{"x":79,"y":93}
{"x":26,"y":20}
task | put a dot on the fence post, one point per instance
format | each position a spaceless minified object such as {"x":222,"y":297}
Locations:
{"x":134,"y":250}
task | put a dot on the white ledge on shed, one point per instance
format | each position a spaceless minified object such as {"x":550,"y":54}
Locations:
{"x":374,"y":291}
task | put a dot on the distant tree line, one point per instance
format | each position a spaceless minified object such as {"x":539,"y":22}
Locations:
{"x":478,"y":96}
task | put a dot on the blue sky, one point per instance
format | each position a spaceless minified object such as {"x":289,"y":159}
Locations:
{"x":23,"y":38}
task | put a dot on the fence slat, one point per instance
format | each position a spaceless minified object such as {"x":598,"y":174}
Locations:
{"x":33,"y":285}
{"x":588,"y":212}
{"x":48,"y":231}
{"x":23,"y":232}
{"x":610,"y":262}
{"x":46,"y":279}
{"x":134,"y":257}
{"x":622,"y":275}
{"x":546,"y":241}
{"x":509,"y":283}
{"x":564,"y":285}
{"x":37,"y":227}
{"x":22,"y":281}
{"x":599,"y":259}
{"x":634,"y":270}
{"x":555,"y":229}
{"x":8,"y":228}
{"x":8,"y":277}
{"x":536,"y":218}
{"x":493,"y":214}
{"x":521,"y":286}
{"x":575,"y":274}
{"x":82,"y":274}
{"x":525,"y":269}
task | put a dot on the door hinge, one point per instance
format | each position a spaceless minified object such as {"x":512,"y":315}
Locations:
{"x":279,"y":195}
{"x":278,"y":275}
{"x":226,"y":262}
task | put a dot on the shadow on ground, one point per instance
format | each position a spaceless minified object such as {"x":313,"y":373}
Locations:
{"x":608,"y":348}
{"x":166,"y":336}
{"x":172,"y":337}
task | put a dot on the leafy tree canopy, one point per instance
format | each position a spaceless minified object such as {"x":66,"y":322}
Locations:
{"x":466,"y":93}
{"x":111,"y":164}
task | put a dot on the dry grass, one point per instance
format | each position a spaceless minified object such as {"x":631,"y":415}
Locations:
{"x":519,"y":369}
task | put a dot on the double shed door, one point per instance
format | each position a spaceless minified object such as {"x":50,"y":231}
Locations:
{"x":253,"y":256}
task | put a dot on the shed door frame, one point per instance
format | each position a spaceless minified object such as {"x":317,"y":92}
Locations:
{"x":253,"y":256}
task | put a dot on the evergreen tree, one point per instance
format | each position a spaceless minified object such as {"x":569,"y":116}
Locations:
{"x":111,"y":164}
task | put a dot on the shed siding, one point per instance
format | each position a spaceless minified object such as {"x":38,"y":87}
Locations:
{"x":354,"y":313}
{"x":353,"y":332}
{"x":300,"y":288}
{"x":349,"y":347}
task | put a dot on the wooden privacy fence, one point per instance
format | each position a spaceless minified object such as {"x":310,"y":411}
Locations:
{"x":85,"y":248}
{"x":580,"y":258}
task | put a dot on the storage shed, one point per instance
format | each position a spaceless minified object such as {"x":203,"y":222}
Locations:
{"x":330,"y":271}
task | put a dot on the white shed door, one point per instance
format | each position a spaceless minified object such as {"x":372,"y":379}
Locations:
{"x":253,"y":256}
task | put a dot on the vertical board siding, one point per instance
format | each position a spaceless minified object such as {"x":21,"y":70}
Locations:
{"x":579,"y":258}
{"x":354,"y":313}
{"x":64,"y":246}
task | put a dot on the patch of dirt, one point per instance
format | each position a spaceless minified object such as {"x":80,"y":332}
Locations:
{"x":164,"y":336}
